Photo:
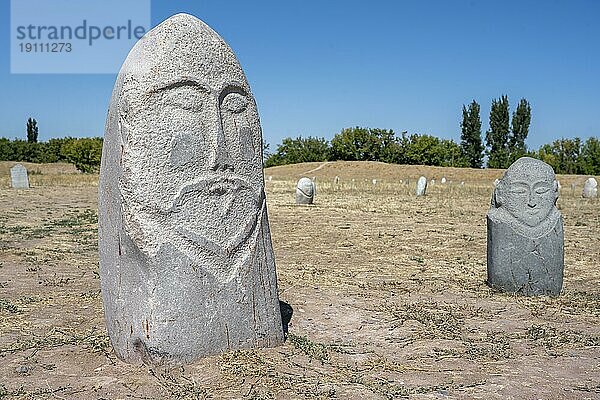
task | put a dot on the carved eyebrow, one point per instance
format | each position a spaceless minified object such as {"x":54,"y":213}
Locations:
{"x":231,"y":88}
{"x":177,"y":83}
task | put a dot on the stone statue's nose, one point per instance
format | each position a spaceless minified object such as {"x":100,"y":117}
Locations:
{"x":221,"y":161}
{"x":531,"y":203}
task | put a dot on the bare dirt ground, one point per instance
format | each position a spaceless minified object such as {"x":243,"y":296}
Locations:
{"x":387,"y":289}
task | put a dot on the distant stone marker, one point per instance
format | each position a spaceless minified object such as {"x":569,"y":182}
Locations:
{"x":421,"y":186}
{"x":336,"y":180}
{"x":186,"y":261}
{"x":18,"y":177}
{"x":590,"y":188}
{"x":525,"y":249}
{"x":443,"y":180}
{"x":374,"y":181}
{"x":305,"y":191}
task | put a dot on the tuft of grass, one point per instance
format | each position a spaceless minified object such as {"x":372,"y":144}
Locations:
{"x":181,"y":387}
{"x":95,"y":340}
{"x":437,"y":320}
{"x":552,"y":338}
{"x":314,"y":351}
{"x":7,"y":305}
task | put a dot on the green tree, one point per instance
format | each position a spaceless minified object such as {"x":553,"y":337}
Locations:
{"x":430,"y":150}
{"x":589,"y":159}
{"x":498,"y":135}
{"x":84,"y":153}
{"x":471,"y":144}
{"x":6,"y":150}
{"x":364,"y":144}
{"x":520,"y":129}
{"x":355,"y":144}
{"x":266,"y":152}
{"x":32,"y":131}
{"x":562,"y":155}
{"x":299,"y":150}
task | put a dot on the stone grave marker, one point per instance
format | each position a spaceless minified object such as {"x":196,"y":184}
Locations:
{"x":590,"y":188}
{"x":421,"y":186}
{"x":18,"y":177}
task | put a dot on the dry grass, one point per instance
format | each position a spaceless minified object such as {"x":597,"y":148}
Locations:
{"x":387,"y":289}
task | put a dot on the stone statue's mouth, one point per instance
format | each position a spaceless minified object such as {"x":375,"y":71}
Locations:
{"x":214,"y":185}
{"x":216,"y":212}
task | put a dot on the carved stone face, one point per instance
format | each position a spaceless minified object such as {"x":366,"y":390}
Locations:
{"x":191,"y":139}
{"x":528,"y":191}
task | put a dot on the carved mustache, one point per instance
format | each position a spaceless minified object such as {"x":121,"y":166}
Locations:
{"x":214,"y":185}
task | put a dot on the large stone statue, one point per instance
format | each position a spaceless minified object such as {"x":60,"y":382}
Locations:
{"x":525,"y":253}
{"x":186,"y":261}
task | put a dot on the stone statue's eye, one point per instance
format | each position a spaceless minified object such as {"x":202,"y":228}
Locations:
{"x":235,"y":103}
{"x":184,"y":98}
{"x":518,"y":190}
{"x":542,"y":190}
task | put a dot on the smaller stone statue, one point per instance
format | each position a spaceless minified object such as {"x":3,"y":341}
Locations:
{"x":305,"y":191}
{"x":525,"y":248}
{"x":421,"y":186}
{"x":590,"y":188}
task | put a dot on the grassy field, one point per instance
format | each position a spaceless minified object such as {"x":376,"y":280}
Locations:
{"x":387,"y":289}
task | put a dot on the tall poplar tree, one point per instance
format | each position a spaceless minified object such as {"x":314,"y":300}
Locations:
{"x":32,"y":130}
{"x":520,"y":129}
{"x":497,"y":138}
{"x":470,"y":138}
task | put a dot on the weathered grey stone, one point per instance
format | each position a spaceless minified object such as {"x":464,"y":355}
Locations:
{"x":525,"y":247}
{"x":336,"y":180}
{"x":186,"y":261}
{"x":18,"y":177}
{"x":305,"y":191}
{"x":374,"y":181}
{"x":421,"y":186}
{"x":443,"y":180}
{"x":590,"y":188}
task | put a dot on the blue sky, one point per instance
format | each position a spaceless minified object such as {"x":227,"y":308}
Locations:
{"x":316,"y":67}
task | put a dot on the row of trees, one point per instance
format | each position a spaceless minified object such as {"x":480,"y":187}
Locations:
{"x":567,"y":156}
{"x":572,"y":156}
{"x":367,"y":144}
{"x":505,"y":140}
{"x":84,"y":153}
